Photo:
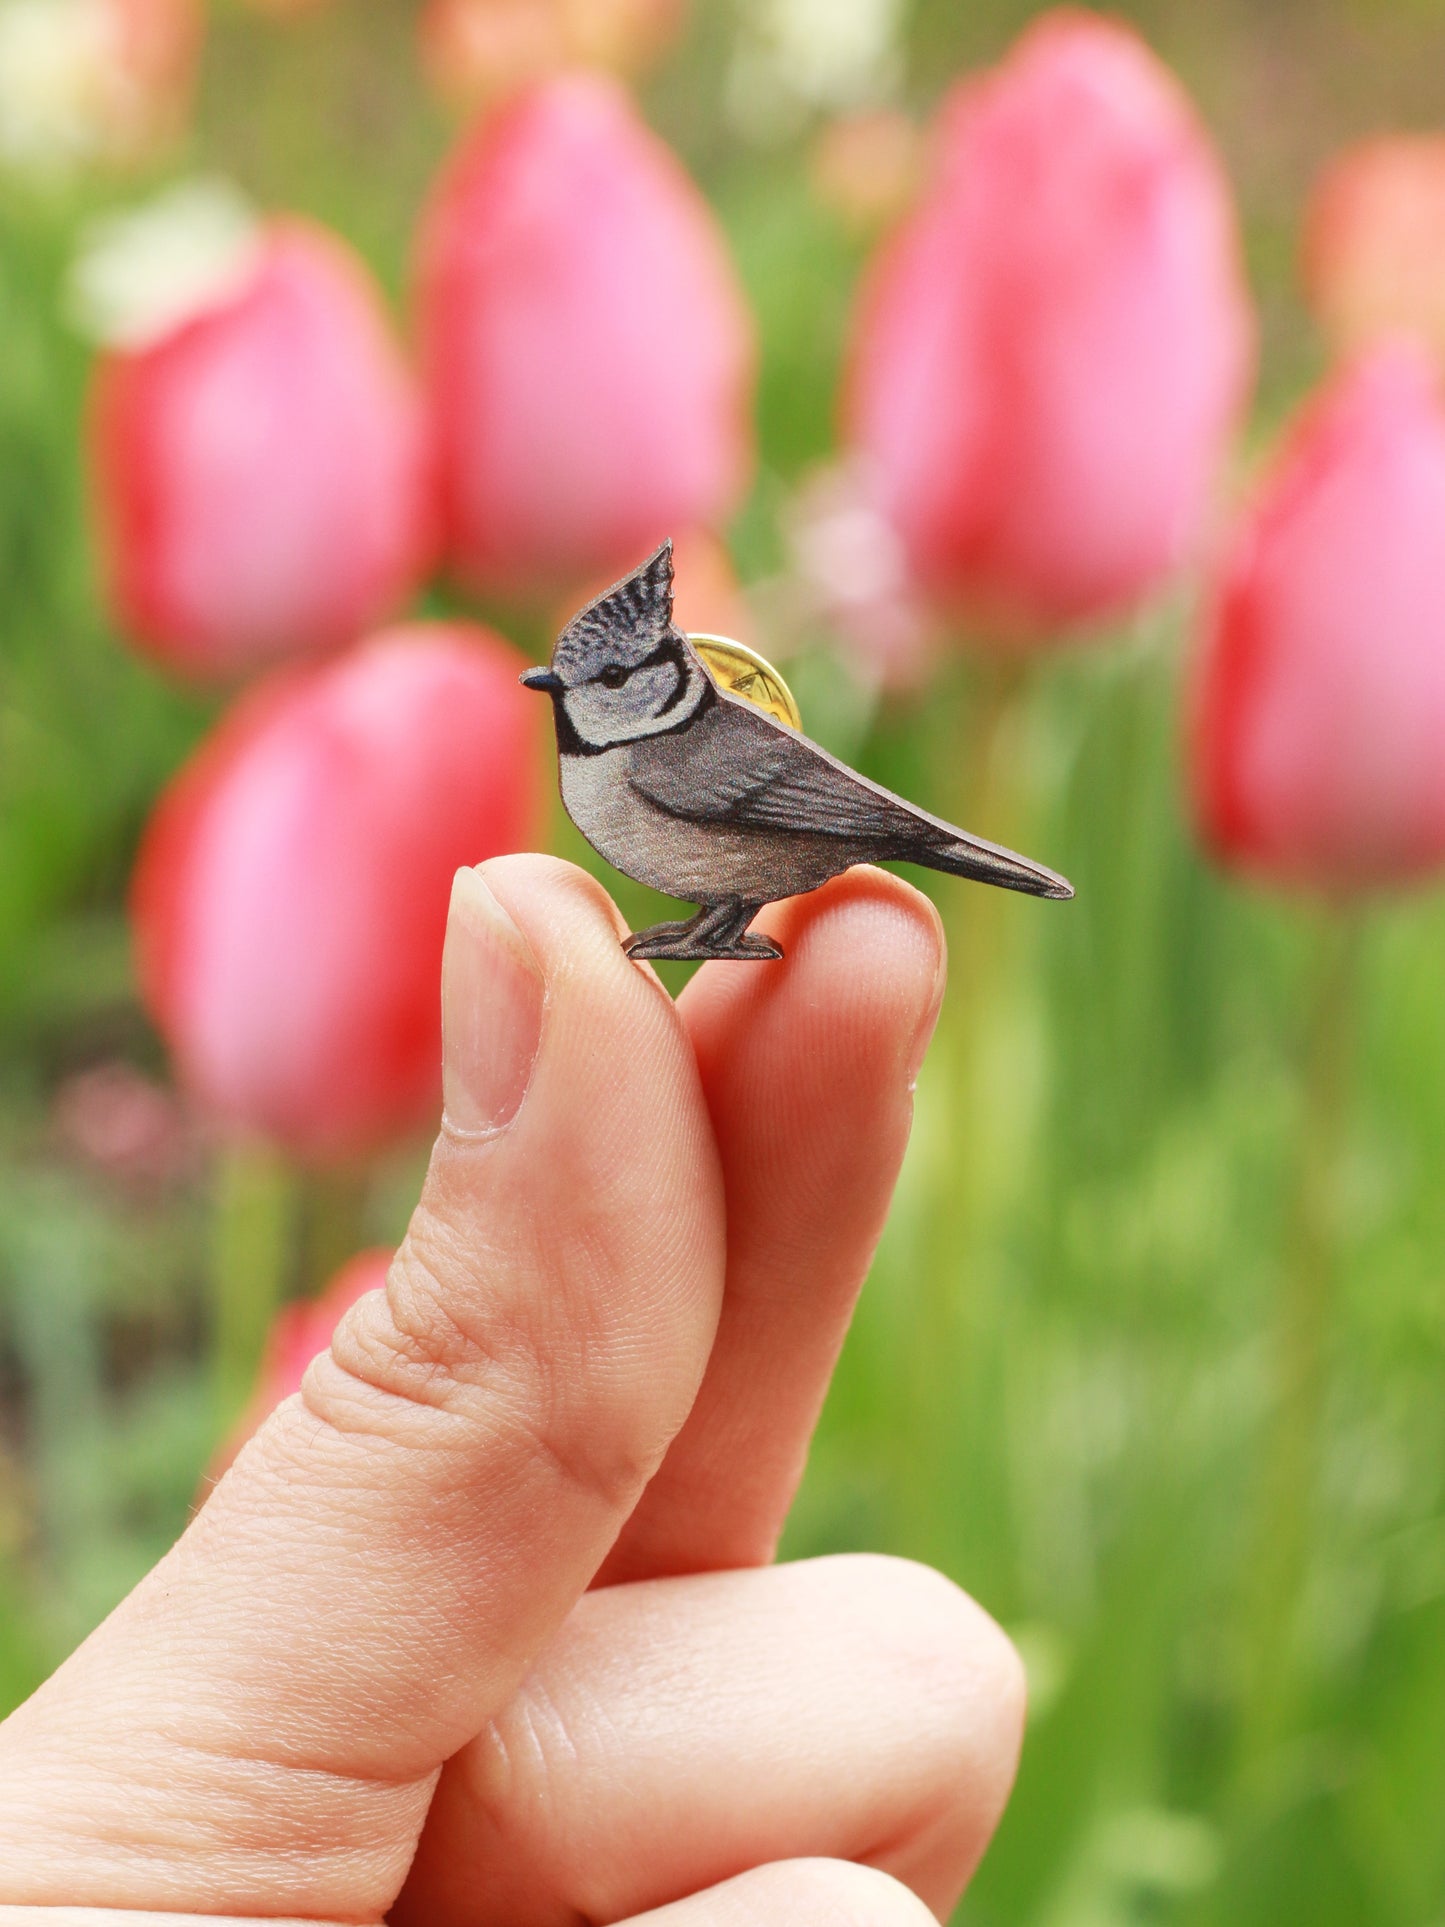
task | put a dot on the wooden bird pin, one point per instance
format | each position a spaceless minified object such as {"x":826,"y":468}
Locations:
{"x":707,"y":797}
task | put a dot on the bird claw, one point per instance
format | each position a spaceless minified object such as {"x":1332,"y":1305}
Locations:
{"x":661,"y":940}
{"x":757,"y":947}
{"x":673,"y":944}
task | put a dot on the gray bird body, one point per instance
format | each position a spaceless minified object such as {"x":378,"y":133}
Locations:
{"x":706,"y":797}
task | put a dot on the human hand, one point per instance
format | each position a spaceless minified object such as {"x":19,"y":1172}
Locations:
{"x":371,"y":1680}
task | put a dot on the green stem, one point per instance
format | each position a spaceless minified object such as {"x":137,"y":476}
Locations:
{"x":335,"y":1223}
{"x":1301,"y":1354}
{"x":252,"y":1232}
{"x":983,"y":797}
{"x":978,"y":788}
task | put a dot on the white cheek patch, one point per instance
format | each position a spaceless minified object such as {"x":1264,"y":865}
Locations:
{"x":650,"y":701}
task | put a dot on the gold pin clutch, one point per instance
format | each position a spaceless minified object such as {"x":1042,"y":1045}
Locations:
{"x":743,"y":672}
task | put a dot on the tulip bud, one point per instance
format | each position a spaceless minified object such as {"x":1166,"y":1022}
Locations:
{"x":93,"y":81}
{"x":124,"y":1127}
{"x":1319,"y":705}
{"x":866,"y":167}
{"x":287,"y":9}
{"x":848,"y":575}
{"x":588,"y":354}
{"x":262,"y":468}
{"x":475,"y":51}
{"x":291,"y":895}
{"x":1374,"y":252}
{"x":1053,"y":352}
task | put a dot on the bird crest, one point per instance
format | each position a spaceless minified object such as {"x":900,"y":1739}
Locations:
{"x":624,"y":624}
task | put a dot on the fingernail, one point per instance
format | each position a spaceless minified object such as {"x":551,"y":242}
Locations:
{"x":492,"y":997}
{"x":923,"y":1035}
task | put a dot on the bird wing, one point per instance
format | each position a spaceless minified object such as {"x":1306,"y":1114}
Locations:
{"x":735,"y":766}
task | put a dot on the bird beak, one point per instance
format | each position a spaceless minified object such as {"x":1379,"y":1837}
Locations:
{"x":543,"y":679}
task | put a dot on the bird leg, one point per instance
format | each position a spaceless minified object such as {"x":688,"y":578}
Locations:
{"x":718,"y":930}
{"x":731,"y":939}
{"x":679,"y":941}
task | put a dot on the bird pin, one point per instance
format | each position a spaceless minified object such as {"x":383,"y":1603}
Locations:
{"x":707,"y":796}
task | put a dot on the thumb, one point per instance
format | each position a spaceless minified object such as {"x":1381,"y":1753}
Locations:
{"x":370,"y":1580}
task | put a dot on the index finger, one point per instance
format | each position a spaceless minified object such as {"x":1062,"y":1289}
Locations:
{"x":808,"y":1071}
{"x":258,"y":1727}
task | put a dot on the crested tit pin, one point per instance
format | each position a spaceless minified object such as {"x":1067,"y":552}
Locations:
{"x":706,"y":797}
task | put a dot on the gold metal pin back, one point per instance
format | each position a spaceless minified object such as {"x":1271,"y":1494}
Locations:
{"x":743,"y":672}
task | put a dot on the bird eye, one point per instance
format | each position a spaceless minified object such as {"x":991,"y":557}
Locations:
{"x":613,"y":676}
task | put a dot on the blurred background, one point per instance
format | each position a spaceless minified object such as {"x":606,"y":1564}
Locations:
{"x":975,"y":410}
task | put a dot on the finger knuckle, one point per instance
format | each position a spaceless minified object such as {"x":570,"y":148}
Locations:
{"x":960,"y":1674}
{"x":453,"y":1353}
{"x":809,"y":1893}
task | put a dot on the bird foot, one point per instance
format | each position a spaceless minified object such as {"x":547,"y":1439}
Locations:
{"x":755,"y":948}
{"x":660,"y":940}
{"x":682,"y":943}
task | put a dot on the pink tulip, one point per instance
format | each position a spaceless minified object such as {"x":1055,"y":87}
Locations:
{"x":478,"y":51}
{"x":587,"y":350}
{"x":287,"y":9}
{"x":848,"y":575}
{"x":867,"y":166}
{"x":1319,"y":707}
{"x":1374,"y":252}
{"x":291,"y":895}
{"x":262,"y":470}
{"x":154,"y":49}
{"x":124,"y":1127}
{"x":1054,"y":351}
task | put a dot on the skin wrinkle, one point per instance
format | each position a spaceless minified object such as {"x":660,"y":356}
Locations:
{"x":301,"y":1770}
{"x":142,"y":1736}
{"x":503,"y":1388}
{"x":544,"y":1363}
{"x":247,"y":1852}
{"x":230,"y":1820}
{"x":441,"y":1359}
{"x":442,"y":1608}
{"x":350,"y":1540}
{"x":426,"y":1345}
{"x":247,"y":1880}
{"x":65,"y":1916}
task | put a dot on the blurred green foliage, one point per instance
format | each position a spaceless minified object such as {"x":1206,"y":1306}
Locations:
{"x":1063,"y":1385}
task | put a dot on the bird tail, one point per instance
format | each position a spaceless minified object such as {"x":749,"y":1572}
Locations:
{"x":970,"y":856}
